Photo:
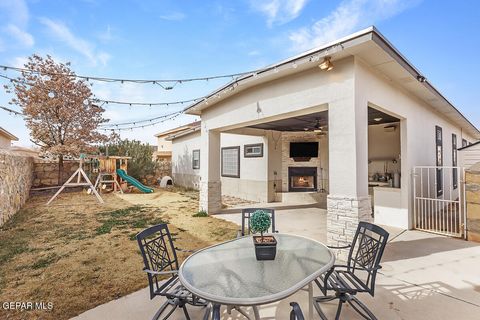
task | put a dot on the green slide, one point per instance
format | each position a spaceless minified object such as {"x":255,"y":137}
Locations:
{"x":134,"y":182}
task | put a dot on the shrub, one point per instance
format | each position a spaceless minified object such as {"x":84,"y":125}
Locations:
{"x":141,"y":163}
{"x":200,"y":214}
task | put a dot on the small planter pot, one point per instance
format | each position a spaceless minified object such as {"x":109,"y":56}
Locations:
{"x":266,"y":249}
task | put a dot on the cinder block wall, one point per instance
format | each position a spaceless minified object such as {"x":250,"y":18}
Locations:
{"x":16,"y":176}
{"x":472,"y":193}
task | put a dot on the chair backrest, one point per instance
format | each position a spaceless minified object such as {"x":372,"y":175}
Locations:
{"x":158,"y":254}
{"x":247,"y":213}
{"x":366,"y":252}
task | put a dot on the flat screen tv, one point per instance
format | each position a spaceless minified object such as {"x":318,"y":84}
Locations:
{"x":303,"y":149}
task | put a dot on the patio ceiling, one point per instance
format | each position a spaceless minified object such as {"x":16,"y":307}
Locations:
{"x":299,"y":123}
{"x":307,"y":122}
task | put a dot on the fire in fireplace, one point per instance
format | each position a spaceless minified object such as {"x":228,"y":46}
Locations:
{"x":302,"y":179}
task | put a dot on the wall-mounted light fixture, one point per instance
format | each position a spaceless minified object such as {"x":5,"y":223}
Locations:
{"x":326,"y":64}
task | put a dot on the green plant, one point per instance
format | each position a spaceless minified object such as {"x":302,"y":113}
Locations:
{"x":260,"y":222}
{"x":201,"y":213}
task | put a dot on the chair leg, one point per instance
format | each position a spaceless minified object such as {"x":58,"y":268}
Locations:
{"x":161,"y":310}
{"x":339,"y":309}
{"x":174,"y":307}
{"x":316,"y":304}
{"x":360,"y":308}
{"x":185,"y":311}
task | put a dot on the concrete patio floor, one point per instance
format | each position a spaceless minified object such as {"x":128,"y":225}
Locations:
{"x":424,"y":276}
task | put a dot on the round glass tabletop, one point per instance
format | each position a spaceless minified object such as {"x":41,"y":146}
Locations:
{"x":228,"y":273}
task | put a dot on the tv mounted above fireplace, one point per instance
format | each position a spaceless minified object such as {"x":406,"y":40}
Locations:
{"x":303,"y":149}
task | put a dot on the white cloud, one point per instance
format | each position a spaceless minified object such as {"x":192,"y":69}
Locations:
{"x":18,"y":62}
{"x":60,"y":31}
{"x":279,"y":11}
{"x":348,"y":17}
{"x":173,"y":16}
{"x":253,"y":53}
{"x":17,"y":12}
{"x":23,"y":37}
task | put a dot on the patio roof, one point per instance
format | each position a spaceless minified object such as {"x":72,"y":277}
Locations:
{"x":369,"y":45}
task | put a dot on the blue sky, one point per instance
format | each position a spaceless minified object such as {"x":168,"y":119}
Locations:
{"x":181,"y":39}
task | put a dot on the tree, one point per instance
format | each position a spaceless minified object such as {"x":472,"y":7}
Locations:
{"x":141,"y":163}
{"x":58,"y":108}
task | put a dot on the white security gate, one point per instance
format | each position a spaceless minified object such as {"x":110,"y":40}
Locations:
{"x":439,"y":204}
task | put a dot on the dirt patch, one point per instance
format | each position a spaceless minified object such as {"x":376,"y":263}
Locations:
{"x":78,"y":254}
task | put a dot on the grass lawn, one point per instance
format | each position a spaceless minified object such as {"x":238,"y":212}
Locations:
{"x":78,"y":254}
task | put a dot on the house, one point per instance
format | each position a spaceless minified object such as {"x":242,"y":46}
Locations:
{"x":6,"y":139}
{"x":469,"y":154}
{"x":347,"y":123}
{"x":164,"y":147}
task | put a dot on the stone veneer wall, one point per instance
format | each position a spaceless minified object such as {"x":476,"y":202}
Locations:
{"x":15,"y":182}
{"x":343,"y":216}
{"x":320,"y":162}
{"x":472,"y":194}
{"x":45,"y":172}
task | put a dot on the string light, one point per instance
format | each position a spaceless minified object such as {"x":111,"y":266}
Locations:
{"x":167,"y":84}
{"x":141,"y":121}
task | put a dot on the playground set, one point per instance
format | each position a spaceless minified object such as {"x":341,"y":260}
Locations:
{"x":109,"y":170}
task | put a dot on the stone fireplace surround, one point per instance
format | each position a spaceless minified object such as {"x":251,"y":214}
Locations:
{"x":310,"y":184}
{"x":321,"y":163}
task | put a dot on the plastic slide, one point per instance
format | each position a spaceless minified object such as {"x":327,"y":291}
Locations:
{"x":134,"y":182}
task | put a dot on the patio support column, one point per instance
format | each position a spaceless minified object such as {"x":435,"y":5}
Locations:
{"x":348,"y":201}
{"x":210,"y":184}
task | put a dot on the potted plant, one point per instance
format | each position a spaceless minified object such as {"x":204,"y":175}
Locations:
{"x":265,"y":246}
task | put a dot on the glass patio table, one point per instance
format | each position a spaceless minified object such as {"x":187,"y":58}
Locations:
{"x":229,"y":274}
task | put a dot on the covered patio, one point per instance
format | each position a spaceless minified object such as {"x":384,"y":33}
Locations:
{"x":424,"y":276}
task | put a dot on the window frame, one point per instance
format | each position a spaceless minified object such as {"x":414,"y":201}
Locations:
{"x":193,"y":159}
{"x":238,"y":161}
{"x":254,"y":155}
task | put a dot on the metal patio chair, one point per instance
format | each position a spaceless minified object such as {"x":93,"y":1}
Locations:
{"x":160,"y":260}
{"x":247,"y":213}
{"x":358,"y":275}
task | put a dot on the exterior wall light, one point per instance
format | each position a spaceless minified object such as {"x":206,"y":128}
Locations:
{"x":326,"y":64}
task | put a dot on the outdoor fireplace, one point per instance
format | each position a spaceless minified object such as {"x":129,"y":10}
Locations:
{"x":301,"y":179}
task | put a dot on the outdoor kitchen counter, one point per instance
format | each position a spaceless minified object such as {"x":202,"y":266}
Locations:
{"x":388,"y":207}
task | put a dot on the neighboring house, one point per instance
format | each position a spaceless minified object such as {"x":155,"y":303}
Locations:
{"x":336,"y":122}
{"x":469,"y":154}
{"x":164,"y":147}
{"x":6,"y":139}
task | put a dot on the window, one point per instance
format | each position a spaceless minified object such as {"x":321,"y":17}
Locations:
{"x":196,"y":159}
{"x":253,"y":150}
{"x":231,"y":162}
{"x":439,"y":156}
{"x":454,"y":161}
{"x":464,"y":143}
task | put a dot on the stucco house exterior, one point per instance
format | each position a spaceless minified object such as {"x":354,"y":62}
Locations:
{"x":343,"y":124}
{"x":6,"y":139}
{"x":468,"y":155}
{"x":164,"y":146}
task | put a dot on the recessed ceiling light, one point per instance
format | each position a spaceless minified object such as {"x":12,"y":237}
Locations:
{"x":377,"y":119}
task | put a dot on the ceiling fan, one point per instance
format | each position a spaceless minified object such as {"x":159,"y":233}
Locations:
{"x":318,"y":129}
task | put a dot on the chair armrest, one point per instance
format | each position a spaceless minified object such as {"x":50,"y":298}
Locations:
{"x":160,"y":272}
{"x":339,"y":247}
{"x":296,"y":312}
